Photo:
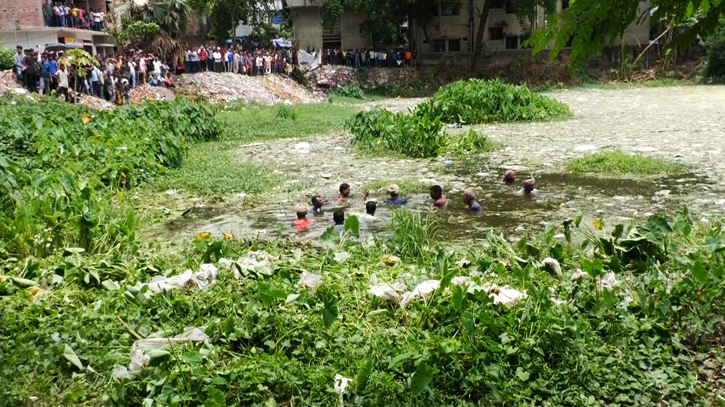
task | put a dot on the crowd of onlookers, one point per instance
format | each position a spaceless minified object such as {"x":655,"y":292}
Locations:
{"x":368,"y":58}
{"x":60,"y":14}
{"x":250,"y":62}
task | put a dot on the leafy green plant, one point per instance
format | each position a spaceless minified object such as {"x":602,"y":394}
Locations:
{"x":470,"y":142}
{"x":617,"y":162}
{"x":715,"y":65}
{"x":349,"y":91}
{"x":287,"y":113}
{"x":7,"y":58}
{"x":482,"y":101}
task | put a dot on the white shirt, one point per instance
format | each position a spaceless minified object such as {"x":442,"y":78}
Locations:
{"x":157,"y":67}
{"x":131,"y":67}
{"x":217,"y":56}
{"x":62,"y":79}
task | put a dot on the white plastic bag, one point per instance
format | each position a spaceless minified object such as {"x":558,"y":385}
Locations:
{"x":310,"y":281}
{"x":422,"y":291}
{"x":139,"y":349}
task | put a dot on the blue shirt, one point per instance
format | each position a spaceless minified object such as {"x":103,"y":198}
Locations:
{"x":475,"y":208}
{"x":230,"y":57}
{"x":53,"y":67}
{"x":396,"y":201}
{"x":44,"y":70}
{"x":94,"y":75}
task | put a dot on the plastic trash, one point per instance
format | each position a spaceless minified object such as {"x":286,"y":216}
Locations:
{"x":202,"y":280}
{"x":141,"y":348}
{"x":121,"y":372}
{"x":552,"y":266}
{"x":310,"y":281}
{"x":254,"y":262}
{"x":206,"y":276}
{"x":503,"y":295}
{"x":607,"y":281}
{"x":460,"y":280}
{"x":340,"y":387}
{"x":387,"y":292}
{"x":55,"y":337}
{"x":422,"y":291}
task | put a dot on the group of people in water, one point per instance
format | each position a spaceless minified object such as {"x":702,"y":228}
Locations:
{"x":436,"y":193}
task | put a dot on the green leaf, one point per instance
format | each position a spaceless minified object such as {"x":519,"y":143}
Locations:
{"x":714,"y":244}
{"x":329,"y":314}
{"x":329,"y":234}
{"x":291,"y":298}
{"x":352,"y":224}
{"x":69,"y":354}
{"x":522,"y":374}
{"x":366,"y":367}
{"x":422,"y":376}
{"x":699,"y":273}
{"x":193,"y":358}
{"x":220,"y":381}
{"x":468,"y":323}
{"x":217,"y":398}
{"x":110,"y":285}
{"x":24,"y":282}
{"x":618,"y":230}
{"x":458,"y":296}
{"x":557,"y":252}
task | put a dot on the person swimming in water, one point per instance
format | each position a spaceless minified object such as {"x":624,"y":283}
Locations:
{"x":344,"y":192}
{"x":395,"y":198}
{"x":509,"y":177}
{"x":529,"y":188}
{"x":317,"y":203}
{"x":469,"y":198}
{"x":436,"y":193}
{"x":302,"y":222}
{"x":339,"y":218}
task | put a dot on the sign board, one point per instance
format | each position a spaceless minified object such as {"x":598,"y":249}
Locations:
{"x":76,"y":43}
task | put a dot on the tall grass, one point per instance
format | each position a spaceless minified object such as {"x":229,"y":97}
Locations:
{"x":413,"y":235}
{"x":619,"y":163}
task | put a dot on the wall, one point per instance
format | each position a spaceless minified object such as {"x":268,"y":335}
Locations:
{"x":350,"y":30}
{"x":28,"y":38}
{"x":307,"y":27}
{"x":27,"y":13}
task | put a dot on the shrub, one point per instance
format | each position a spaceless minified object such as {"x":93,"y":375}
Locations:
{"x":416,"y":135}
{"x":483,"y":101}
{"x":619,"y":163}
{"x":287,"y":113}
{"x":715,"y":65}
{"x":470,"y":142}
{"x":7,"y":58}
{"x":58,"y":163}
{"x":349,"y":92}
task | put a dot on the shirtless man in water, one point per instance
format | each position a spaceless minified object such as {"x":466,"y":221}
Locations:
{"x":529,"y":188}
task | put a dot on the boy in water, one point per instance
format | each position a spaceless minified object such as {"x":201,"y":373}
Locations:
{"x":317,"y":203}
{"x":509,"y":177}
{"x":436,"y":193}
{"x":302,"y":221}
{"x":395,"y":198}
{"x":469,"y":198}
{"x":344,"y":192}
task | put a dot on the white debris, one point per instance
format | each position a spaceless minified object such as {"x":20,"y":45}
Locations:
{"x":206,"y":276}
{"x":387,"y":292}
{"x":139,"y":349}
{"x":560,"y":236}
{"x":422,"y":291}
{"x":202,"y":280}
{"x":225,"y":264}
{"x":340,"y":387}
{"x":302,"y":148}
{"x":33,"y":399}
{"x":607,"y":281}
{"x":664,"y":192}
{"x":503,"y":295}
{"x":580,"y":274}
{"x":586,"y":147}
{"x":55,"y":337}
{"x":310,"y":281}
{"x":482,"y":175}
{"x":256,"y":262}
{"x":326,"y":175}
{"x":460,"y":280}
{"x":121,"y":372}
{"x":552,"y":266}
{"x":170,"y":192}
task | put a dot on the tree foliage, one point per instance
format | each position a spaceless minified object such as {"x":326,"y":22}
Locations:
{"x":171,"y":16}
{"x":383,"y":18}
{"x":715,"y":67}
{"x":589,"y":25}
{"x":7,"y":58}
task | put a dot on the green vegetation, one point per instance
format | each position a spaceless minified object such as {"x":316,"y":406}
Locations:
{"x":248,"y":123}
{"x":7,"y":58}
{"x":619,"y":163}
{"x":482,"y":101}
{"x":63,"y":167}
{"x":414,"y":135}
{"x":470,"y":142}
{"x":353,"y":92}
{"x":406,"y":186}
{"x":649,"y":337}
{"x":715,"y":66}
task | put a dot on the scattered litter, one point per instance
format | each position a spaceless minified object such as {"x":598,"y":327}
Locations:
{"x":387,"y":292}
{"x":341,"y":256}
{"x":460,"y":280}
{"x":146,"y":92}
{"x":55,"y":337}
{"x":302,"y":148}
{"x":391,"y":260}
{"x":170,"y":192}
{"x":206,"y":276}
{"x":341,"y":383}
{"x":607,"y":281}
{"x":310,"y":281}
{"x":202,"y":280}
{"x":259,"y":263}
{"x":454,"y":126}
{"x":552,"y":266}
{"x":482,"y":175}
{"x":141,"y":348}
{"x":560,"y":236}
{"x":326,"y":175}
{"x":503,"y":295}
{"x":422,"y":291}
{"x":96,"y":103}
{"x":121,"y":372}
{"x":580,"y":274}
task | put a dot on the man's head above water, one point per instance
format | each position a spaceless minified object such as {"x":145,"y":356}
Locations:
{"x":509,"y":177}
{"x":529,"y":185}
{"x":344,"y":190}
{"x":370,"y":207}
{"x":469,"y":197}
{"x":301,"y":209}
{"x":436,"y":192}
{"x":394,"y":191}
{"x":317,"y":201}
{"x":339,"y":217}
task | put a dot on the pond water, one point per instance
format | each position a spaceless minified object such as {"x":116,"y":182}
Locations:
{"x":560,"y":197}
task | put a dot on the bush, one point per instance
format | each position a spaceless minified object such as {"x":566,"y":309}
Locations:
{"x":287,"y":113}
{"x":60,"y":163}
{"x":349,"y":92}
{"x":416,"y":135}
{"x":7,"y":58}
{"x":715,"y":65}
{"x":470,"y":142}
{"x":483,"y":101}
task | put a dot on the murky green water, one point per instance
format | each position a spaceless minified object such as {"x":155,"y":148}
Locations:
{"x":560,"y":196}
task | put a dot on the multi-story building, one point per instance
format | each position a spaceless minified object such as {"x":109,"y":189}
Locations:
{"x":22,"y":22}
{"x":309,"y":33}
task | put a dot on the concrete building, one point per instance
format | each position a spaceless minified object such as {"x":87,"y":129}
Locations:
{"x":452,"y":33}
{"x":307,"y":29}
{"x":22,"y":23}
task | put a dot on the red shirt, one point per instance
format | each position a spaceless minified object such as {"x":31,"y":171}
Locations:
{"x":303,"y":223}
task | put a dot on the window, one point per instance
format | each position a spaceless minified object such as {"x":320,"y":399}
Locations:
{"x":510,"y":6}
{"x":495,"y":33}
{"x":450,"y":9}
{"x":498,"y":3}
{"x":439,"y":45}
{"x":454,"y":45}
{"x":512,"y":42}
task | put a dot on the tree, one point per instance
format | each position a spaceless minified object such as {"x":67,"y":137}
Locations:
{"x":172,"y":17}
{"x":589,"y":25}
{"x":381,"y":24}
{"x":80,"y":60}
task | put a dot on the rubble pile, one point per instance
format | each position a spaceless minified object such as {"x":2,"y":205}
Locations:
{"x":146,"y":92}
{"x":95,"y":103}
{"x":7,"y":81}
{"x":229,"y":87}
{"x":330,"y":77}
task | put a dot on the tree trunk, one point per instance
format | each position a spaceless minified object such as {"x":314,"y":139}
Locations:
{"x":427,"y":37}
{"x":479,"y":35}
